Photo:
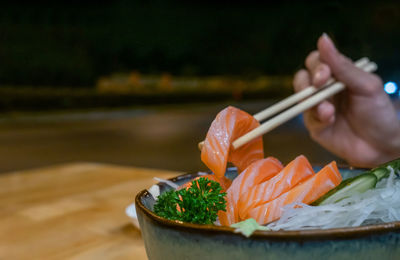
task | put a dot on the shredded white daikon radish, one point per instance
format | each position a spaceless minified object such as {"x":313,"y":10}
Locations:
{"x":168,"y":182}
{"x":381,"y":204}
{"x":154,"y":191}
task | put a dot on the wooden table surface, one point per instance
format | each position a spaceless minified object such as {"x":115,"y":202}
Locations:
{"x":72,"y":211}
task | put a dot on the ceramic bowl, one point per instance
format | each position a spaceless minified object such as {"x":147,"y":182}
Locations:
{"x":167,"y":239}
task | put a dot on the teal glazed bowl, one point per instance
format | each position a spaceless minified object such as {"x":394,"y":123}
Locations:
{"x":167,"y":239}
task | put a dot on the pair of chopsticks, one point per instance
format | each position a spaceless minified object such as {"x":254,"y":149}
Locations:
{"x":331,"y":88}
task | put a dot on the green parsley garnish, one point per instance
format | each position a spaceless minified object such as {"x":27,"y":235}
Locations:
{"x":197,"y":204}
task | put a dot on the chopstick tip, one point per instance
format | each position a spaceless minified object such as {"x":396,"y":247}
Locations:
{"x":200,"y":145}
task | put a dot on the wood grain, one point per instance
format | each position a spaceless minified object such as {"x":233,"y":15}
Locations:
{"x":72,"y":211}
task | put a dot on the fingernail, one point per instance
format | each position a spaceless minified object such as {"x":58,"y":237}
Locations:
{"x":327,"y":38}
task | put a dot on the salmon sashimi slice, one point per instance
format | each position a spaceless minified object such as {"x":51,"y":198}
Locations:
{"x":224,"y":182}
{"x":257,"y":172}
{"x":295,"y":172}
{"x":306,"y":192}
{"x":230,"y":124}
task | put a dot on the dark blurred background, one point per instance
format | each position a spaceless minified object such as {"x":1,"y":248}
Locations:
{"x":70,"y":71}
{"x":73,"y":43}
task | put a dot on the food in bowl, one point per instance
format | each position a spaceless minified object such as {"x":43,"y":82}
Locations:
{"x":173,"y":239}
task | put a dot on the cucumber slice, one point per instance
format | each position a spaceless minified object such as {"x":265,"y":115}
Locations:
{"x":395,"y":164}
{"x":348,"y":188}
{"x":358,"y":184}
{"x":380,"y":173}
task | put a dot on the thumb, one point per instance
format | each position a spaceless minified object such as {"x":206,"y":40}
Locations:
{"x":343,"y":69}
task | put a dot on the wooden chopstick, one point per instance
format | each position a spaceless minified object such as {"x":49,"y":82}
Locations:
{"x":296,"y":110}
{"x":293,"y":99}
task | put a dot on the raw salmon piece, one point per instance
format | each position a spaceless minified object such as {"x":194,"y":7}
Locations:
{"x":230,"y":124}
{"x":306,"y":192}
{"x":257,"y":172}
{"x":295,"y":172}
{"x":224,"y":182}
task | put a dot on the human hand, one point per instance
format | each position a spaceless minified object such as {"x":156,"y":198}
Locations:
{"x":360,"y":125}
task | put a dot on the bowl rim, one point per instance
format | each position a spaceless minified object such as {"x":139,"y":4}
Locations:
{"x":346,"y":232}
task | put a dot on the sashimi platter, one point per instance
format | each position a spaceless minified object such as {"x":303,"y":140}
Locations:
{"x":262,"y":207}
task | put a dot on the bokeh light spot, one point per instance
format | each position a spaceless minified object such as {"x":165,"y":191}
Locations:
{"x":390,"y":87}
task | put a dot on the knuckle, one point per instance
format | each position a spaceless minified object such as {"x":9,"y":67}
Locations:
{"x":314,"y":55}
{"x":322,"y":67}
{"x":321,"y":74}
